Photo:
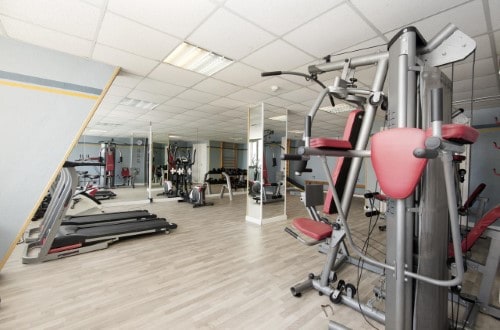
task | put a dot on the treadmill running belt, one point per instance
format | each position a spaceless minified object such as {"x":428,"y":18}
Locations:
{"x":106,"y":217}
{"x":71,"y":235}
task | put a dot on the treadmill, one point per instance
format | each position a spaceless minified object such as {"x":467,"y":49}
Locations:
{"x":58,"y":239}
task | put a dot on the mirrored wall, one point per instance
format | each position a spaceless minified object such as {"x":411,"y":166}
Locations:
{"x":267,"y":127}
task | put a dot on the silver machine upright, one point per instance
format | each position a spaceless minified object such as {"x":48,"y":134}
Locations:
{"x":418,"y":136}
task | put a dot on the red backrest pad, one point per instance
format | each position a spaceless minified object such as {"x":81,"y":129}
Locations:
{"x":478,"y":229}
{"x":397,"y":170}
{"x":341,"y":170}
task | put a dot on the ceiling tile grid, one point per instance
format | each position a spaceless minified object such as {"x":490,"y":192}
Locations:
{"x":259,"y":35}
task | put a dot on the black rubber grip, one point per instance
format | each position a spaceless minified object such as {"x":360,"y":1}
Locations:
{"x":270,"y":73}
{"x":291,"y":232}
{"x":308,"y":126}
{"x":371,"y":214}
{"x":75,"y":164}
{"x":371,"y":194}
{"x":437,"y":104}
{"x":291,"y":157}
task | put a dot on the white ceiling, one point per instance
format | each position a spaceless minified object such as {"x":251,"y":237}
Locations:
{"x":260,"y":35}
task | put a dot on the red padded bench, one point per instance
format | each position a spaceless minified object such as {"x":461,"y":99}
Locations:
{"x":313,"y":229}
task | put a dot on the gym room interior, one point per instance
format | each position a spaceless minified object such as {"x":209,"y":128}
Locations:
{"x":232,"y":164}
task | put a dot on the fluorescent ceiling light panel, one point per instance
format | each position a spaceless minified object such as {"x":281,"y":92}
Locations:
{"x":146,"y":105}
{"x":197,"y":59}
{"x":338,"y":108}
{"x":278,"y":118}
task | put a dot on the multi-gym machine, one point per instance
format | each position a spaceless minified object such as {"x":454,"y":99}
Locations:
{"x":405,"y":161}
{"x":108,"y":158}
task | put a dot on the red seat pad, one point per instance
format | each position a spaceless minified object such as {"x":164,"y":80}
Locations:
{"x":327,"y":143}
{"x":458,"y":133}
{"x":314,"y":229}
{"x":397,"y":170}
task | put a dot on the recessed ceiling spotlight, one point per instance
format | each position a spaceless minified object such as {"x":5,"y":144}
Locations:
{"x":274,"y":88}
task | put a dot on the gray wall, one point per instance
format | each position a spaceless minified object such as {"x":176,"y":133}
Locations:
{"x":485,"y":157}
{"x":46,"y":99}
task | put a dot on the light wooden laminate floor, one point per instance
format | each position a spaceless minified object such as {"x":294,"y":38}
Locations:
{"x":215,"y":271}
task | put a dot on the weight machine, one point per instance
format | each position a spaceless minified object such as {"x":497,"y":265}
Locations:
{"x":404,"y":159}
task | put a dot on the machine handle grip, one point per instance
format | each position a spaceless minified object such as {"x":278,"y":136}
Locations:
{"x":291,"y":232}
{"x":270,"y":73}
{"x":425,"y":153}
{"x":291,"y":157}
{"x":75,"y":164}
{"x":437,"y":104}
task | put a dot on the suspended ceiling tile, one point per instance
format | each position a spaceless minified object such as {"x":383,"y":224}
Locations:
{"x":227,"y":103}
{"x":233,"y":113}
{"x":229,"y":35}
{"x":496,"y":36}
{"x":126,"y":79}
{"x":215,"y":86}
{"x":459,"y":16}
{"x":211,"y":109}
{"x":479,"y":83}
{"x":177,"y":102}
{"x":318,"y":38}
{"x":119,"y":90}
{"x":59,"y":15}
{"x":129,"y":62}
{"x":156,"y":86}
{"x":283,"y":86}
{"x":197,"y":96}
{"x":483,"y":49}
{"x":387,"y":15}
{"x":117,"y":116}
{"x":372,"y":46}
{"x":269,"y":14}
{"x":495,"y":14}
{"x":485,"y":92}
{"x":146,"y":96}
{"x":170,"y":109}
{"x":176,"y":17}
{"x":300,"y":95}
{"x":46,"y":38}
{"x":174,"y":75}
{"x":124,"y":34}
{"x":239,"y":74}
{"x":463,"y":70}
{"x":96,"y":3}
{"x":278,"y":55}
{"x":111,"y":99}
{"x":249,"y":96}
{"x":153,"y":116}
{"x":278,"y":102}
{"x":298,"y":108}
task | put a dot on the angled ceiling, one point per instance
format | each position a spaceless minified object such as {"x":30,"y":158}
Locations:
{"x":259,"y":35}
